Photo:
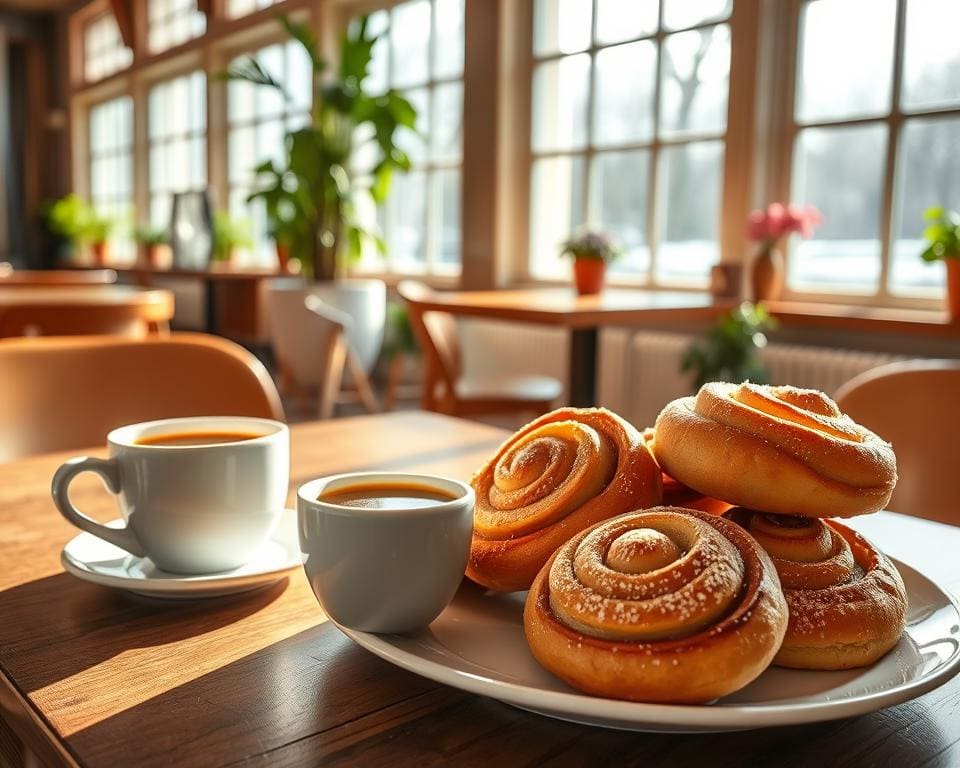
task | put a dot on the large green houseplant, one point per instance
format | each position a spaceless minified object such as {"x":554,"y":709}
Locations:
{"x":312,"y":197}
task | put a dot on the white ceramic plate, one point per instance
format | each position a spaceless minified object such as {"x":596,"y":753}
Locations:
{"x":477,"y":644}
{"x":97,"y":561}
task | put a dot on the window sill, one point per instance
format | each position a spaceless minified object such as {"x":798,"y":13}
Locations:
{"x":845,"y":317}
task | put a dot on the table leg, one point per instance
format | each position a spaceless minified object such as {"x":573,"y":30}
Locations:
{"x":583,"y":367}
{"x":210,"y":301}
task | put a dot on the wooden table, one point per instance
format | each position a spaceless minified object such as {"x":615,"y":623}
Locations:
{"x":231,"y":294}
{"x":94,"y":677}
{"x":57,"y":310}
{"x":583,"y":316}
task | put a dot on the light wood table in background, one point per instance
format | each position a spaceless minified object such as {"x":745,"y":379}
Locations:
{"x":69,"y":310}
{"x":94,"y":677}
{"x":583,"y":316}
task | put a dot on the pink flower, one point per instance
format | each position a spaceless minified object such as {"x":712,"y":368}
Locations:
{"x":777,"y":221}
{"x":757,"y":225}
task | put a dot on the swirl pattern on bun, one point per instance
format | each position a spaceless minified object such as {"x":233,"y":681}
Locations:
{"x":847,"y":601}
{"x":558,"y":475}
{"x":780,"y":449}
{"x":663,"y":605}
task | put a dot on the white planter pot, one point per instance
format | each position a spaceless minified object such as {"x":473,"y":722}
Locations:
{"x":364,"y":300}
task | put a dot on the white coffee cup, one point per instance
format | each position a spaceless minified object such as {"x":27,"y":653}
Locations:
{"x":189,"y":508}
{"x":378,"y":570}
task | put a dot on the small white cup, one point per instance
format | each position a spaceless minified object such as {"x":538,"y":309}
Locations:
{"x":189,"y":508}
{"x":378,"y":570}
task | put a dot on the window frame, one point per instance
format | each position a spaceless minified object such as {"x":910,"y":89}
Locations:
{"x":439,"y":274}
{"x":655,"y":147}
{"x":893,"y":121}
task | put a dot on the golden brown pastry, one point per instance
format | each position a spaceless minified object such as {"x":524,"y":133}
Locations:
{"x":663,"y":605}
{"x":780,"y":449}
{"x":558,"y":475}
{"x":676,"y":494}
{"x":846,"y":599}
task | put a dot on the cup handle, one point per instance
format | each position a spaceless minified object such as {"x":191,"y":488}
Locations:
{"x":109,"y":471}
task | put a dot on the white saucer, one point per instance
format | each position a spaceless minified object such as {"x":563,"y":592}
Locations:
{"x":97,"y":561}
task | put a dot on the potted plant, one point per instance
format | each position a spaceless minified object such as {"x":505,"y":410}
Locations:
{"x":75,"y":221}
{"x":768,"y":227}
{"x":229,"y":234}
{"x":590,"y":252}
{"x":729,"y":350}
{"x":312,"y":198}
{"x":943,"y":244}
{"x":154,"y":246}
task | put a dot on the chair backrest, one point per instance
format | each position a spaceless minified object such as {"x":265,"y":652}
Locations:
{"x":437,"y":334}
{"x":60,"y":393}
{"x":27,"y":277}
{"x":82,"y":310}
{"x":303,"y":337}
{"x":914,"y":405}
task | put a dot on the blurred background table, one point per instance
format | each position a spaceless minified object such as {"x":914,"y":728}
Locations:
{"x":69,"y":310}
{"x":584,"y":316}
{"x":94,"y":677}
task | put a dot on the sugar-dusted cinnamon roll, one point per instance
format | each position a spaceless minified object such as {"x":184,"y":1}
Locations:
{"x":676,"y":494}
{"x":780,"y":449}
{"x":663,"y":605}
{"x":847,"y":601}
{"x":558,"y":475}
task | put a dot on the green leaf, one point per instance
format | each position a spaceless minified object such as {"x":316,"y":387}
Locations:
{"x":249,"y":70}
{"x":304,"y":35}
{"x":934,"y":213}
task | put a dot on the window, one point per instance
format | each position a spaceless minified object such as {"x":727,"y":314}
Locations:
{"x":103,"y":50}
{"x":177,"y":132}
{"x":876,"y":127}
{"x":172,"y":22}
{"x":259,"y":119}
{"x":111,"y":168}
{"x":237,"y":8}
{"x":629,"y":116}
{"x":420,"y":53}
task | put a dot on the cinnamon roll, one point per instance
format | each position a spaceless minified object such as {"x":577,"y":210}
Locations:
{"x":846,"y":599}
{"x":780,"y":449}
{"x":676,"y":494}
{"x":663,"y":605}
{"x":558,"y":475}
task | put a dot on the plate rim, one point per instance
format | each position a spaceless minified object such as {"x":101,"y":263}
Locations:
{"x":630,"y":715}
{"x":187,"y":584}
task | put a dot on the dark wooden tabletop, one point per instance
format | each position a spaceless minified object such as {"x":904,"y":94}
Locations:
{"x":95,"y":677}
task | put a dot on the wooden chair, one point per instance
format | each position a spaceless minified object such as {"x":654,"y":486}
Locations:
{"x":309,"y":339}
{"x":914,"y":405}
{"x":84,"y":310}
{"x":33,"y":277}
{"x":61,"y":393}
{"x":446,"y":390}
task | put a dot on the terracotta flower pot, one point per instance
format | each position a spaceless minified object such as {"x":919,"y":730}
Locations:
{"x":157,"y":256}
{"x":283,"y":257}
{"x":766,"y":275}
{"x":953,"y":289}
{"x":588,"y":275}
{"x":100,"y":253}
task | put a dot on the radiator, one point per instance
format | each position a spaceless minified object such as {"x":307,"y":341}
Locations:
{"x":654,"y":376}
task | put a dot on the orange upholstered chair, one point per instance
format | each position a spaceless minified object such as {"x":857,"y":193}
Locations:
{"x":60,"y":393}
{"x":913,"y":405}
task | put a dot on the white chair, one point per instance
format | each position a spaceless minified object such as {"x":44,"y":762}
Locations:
{"x":309,"y":339}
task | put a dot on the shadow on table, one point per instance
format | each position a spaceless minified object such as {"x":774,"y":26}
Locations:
{"x":89,"y":624}
{"x":318,"y":698}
